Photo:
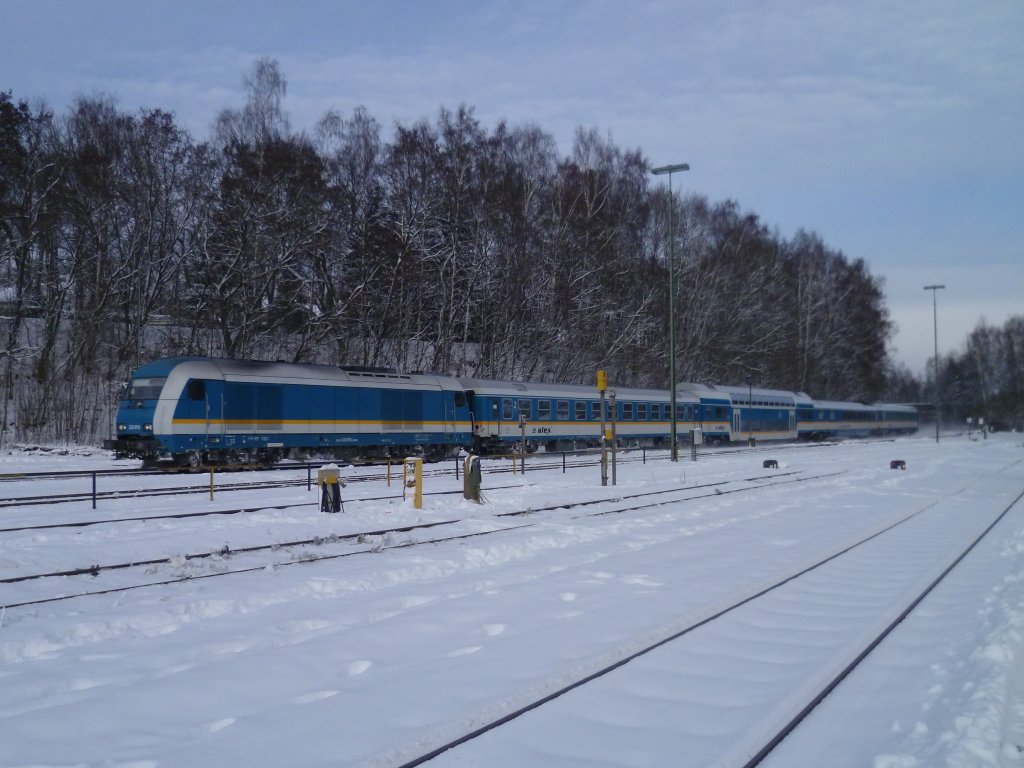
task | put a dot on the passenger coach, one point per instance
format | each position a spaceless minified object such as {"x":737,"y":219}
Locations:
{"x":568,"y":416}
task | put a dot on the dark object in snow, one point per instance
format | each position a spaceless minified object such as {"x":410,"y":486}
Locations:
{"x":897,"y":464}
{"x":330,"y":480}
{"x":770,"y":464}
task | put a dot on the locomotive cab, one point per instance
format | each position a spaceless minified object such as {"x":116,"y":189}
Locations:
{"x":135,"y":416}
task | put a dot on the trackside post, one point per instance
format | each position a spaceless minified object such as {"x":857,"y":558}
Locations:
{"x":602,"y":386}
{"x":328,"y":477}
{"x":412,"y":477}
{"x":471,"y":479}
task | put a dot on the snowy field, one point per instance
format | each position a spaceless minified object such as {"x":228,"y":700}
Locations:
{"x":373,"y":651}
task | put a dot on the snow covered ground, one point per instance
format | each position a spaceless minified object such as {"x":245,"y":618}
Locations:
{"x":372,"y":652}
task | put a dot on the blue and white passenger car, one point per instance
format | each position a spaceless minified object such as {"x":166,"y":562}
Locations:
{"x":567,"y":416}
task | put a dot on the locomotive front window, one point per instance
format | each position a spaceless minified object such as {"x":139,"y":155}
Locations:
{"x":146,"y":389}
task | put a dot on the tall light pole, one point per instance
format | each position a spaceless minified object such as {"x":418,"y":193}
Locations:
{"x":670,"y":169}
{"x":935,"y":316}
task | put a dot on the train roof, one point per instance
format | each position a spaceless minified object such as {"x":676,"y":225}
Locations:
{"x":843,"y":405}
{"x":896,"y":407}
{"x":739,"y":394}
{"x":567,"y":391}
{"x":307,"y":373}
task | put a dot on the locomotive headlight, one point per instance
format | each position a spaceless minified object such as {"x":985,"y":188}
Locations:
{"x":147,"y":427}
{"x":122,"y":427}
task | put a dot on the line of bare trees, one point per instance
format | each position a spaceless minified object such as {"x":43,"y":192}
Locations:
{"x":445,"y":247}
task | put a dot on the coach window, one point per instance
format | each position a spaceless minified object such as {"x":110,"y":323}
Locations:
{"x":655,"y":412}
{"x":562,"y":413}
{"x":595,"y":411}
{"x":506,"y":409}
{"x":525,"y":409}
{"x":641,"y":412}
{"x":581,"y":411}
{"x":627,"y":411}
{"x":544,"y":409}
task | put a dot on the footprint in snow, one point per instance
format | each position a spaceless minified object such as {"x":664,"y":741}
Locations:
{"x":493,"y":630}
{"x":309,"y":698}
{"x":359,"y":667}
{"x":220,"y":725}
{"x":464,"y":651}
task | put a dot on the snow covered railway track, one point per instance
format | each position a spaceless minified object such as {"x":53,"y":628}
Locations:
{"x":378,"y":539}
{"x":205,"y":513}
{"x":139,"y":493}
{"x":749,"y":752}
{"x":857,"y":660}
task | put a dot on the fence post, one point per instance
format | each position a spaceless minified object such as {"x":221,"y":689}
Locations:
{"x":94,"y":490}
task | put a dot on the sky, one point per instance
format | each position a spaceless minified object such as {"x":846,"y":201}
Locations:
{"x":893,"y":130}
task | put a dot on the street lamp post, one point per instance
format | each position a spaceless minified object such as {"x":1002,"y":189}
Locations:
{"x":670,"y":169}
{"x":935,"y":318}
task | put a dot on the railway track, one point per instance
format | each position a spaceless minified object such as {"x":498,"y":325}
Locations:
{"x":193,"y":489}
{"x":705,"y":490}
{"x":753,"y":756}
{"x":504,"y":465}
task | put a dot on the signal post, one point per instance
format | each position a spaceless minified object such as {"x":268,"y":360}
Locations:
{"x":602,"y":386}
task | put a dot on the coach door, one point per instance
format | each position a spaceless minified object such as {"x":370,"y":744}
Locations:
{"x":736,"y":424}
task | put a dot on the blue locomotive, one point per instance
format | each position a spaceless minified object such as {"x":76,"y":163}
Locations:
{"x":199,"y":410}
